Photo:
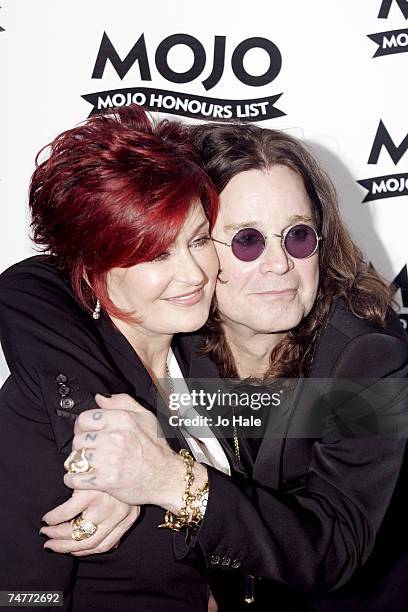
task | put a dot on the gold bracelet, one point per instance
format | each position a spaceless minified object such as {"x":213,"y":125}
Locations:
{"x":198,"y":506}
{"x":195,"y":502}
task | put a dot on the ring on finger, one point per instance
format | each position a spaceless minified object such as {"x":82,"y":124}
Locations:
{"x":77,"y":463}
{"x":82,"y":528}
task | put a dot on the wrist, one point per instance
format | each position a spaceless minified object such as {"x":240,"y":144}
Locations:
{"x":171,"y":494}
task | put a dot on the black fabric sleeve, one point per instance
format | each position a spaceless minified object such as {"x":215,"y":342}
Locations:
{"x":57,"y":364}
{"x":45,"y":333}
{"x":316,"y":536}
{"x":31,"y":484}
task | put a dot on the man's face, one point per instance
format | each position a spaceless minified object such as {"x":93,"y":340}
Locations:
{"x":274,"y":292}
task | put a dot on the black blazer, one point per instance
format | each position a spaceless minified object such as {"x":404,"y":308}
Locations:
{"x":318,"y":519}
{"x":322,"y":521}
{"x":59,"y":358}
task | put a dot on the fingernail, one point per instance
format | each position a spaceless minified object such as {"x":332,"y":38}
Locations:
{"x":106,"y":394}
{"x":48,"y":550}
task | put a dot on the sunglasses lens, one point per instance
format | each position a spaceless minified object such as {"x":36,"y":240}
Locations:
{"x":248,"y":244}
{"x":301,"y":241}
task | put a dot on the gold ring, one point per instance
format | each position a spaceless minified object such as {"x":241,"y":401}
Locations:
{"x":82,"y":528}
{"x":77,"y":463}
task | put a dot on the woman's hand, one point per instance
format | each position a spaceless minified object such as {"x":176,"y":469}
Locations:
{"x":112,"y":517}
{"x":129,"y":455}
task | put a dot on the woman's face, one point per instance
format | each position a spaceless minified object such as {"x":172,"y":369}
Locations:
{"x":274,"y":292}
{"x":172,"y":293}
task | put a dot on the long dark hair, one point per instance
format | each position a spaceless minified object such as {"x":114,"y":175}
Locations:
{"x":226,"y":150}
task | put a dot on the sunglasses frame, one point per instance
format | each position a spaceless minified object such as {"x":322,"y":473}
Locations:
{"x":282,"y":236}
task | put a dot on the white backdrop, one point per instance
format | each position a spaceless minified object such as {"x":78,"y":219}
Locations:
{"x":334,"y":93}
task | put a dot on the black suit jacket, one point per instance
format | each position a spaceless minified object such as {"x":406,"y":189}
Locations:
{"x":312,"y":515}
{"x":322,"y":521}
{"x":59,"y":358}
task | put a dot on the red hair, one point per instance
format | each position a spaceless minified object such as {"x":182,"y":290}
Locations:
{"x":114,"y":192}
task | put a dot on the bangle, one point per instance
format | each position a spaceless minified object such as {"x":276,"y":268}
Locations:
{"x":196,"y":503}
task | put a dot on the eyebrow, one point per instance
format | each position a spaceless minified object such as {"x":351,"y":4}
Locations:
{"x":237,"y":226}
{"x":203,"y":224}
{"x":297,"y":218}
{"x":256,"y":224}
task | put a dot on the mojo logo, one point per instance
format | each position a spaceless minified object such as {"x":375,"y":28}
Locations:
{"x":159,"y":100}
{"x":400,"y":282}
{"x":386,"y":6}
{"x":392,"y":41}
{"x":391,"y":185}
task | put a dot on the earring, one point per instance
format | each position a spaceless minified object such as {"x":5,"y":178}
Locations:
{"x":96,"y":313}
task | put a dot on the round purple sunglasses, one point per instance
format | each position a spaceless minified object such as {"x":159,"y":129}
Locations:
{"x":299,"y":241}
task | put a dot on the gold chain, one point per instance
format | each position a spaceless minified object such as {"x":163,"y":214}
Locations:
{"x":176,"y":523}
{"x":235,"y":436}
{"x":171,"y":385}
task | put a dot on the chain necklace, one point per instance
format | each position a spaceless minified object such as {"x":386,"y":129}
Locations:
{"x":235,"y":435}
{"x":169,"y":378}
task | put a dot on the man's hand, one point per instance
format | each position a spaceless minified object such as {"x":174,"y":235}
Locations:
{"x":130,"y":458}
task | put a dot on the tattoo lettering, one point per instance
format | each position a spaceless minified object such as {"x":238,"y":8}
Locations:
{"x":91,"y":436}
{"x":97,"y":416}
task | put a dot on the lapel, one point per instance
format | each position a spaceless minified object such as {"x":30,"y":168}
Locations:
{"x":199,"y":368}
{"x":128,"y":363}
{"x":268,"y":467}
{"x":144,"y":390}
{"x":268,"y":464}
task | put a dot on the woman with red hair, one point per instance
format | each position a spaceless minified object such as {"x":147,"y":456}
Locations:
{"x":123,"y":213}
